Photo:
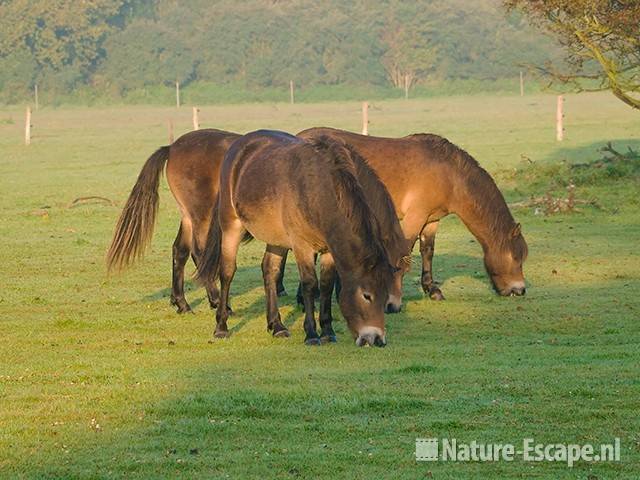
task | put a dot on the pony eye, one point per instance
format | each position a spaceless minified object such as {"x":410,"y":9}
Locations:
{"x":367,"y":297}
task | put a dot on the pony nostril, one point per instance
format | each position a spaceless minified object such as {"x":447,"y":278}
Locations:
{"x":392,"y":308}
{"x":379,"y":341}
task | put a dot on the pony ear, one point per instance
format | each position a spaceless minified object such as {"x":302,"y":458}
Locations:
{"x":517,"y":230}
{"x":403,"y":264}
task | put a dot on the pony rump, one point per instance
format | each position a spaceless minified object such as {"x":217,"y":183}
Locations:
{"x":352,"y":201}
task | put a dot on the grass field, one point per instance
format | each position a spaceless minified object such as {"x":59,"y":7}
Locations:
{"x":99,"y":378}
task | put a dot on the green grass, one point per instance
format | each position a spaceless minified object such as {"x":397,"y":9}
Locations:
{"x":99,"y":378}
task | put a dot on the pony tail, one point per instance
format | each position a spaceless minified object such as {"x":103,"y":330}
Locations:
{"x":208,"y":268}
{"x":135,"y":226}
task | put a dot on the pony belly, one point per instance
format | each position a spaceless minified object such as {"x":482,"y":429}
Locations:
{"x":268,"y":230}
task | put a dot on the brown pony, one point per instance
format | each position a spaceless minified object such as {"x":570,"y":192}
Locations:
{"x":303,"y":196}
{"x":428,"y":178}
{"x":193,"y":170}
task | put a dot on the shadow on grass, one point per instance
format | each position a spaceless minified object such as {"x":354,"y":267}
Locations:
{"x":581,"y":166}
{"x":239,"y":286}
{"x":279,"y":408}
{"x":591,"y":152}
{"x":247,"y":279}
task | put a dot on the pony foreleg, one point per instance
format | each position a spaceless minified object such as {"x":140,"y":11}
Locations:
{"x":306,"y":267}
{"x":271,"y":267}
{"x":327,"y":280}
{"x":180,"y":251}
{"x":299,"y":297}
{"x":427,"y":246}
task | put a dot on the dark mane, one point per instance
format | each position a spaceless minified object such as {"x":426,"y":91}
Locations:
{"x":483,"y":191}
{"x":344,"y":165}
{"x":382,"y":206}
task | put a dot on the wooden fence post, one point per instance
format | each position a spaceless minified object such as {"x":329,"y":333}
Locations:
{"x":291,"y":99}
{"x":196,"y":121}
{"x":559,"y":118}
{"x":27,"y":127}
{"x":35,"y":94}
{"x":365,"y":118}
{"x":177,"y":94}
{"x":170,"y":130}
{"x":521,"y":84}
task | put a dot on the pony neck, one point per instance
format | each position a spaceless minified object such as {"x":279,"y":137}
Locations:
{"x":482,"y":208}
{"x":351,"y":250}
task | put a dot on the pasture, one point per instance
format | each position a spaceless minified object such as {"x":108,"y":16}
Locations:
{"x":100,"y":378}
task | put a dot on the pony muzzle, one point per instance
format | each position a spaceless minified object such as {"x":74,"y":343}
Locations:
{"x":394,"y":304}
{"x":517,"y":289}
{"x":371,"y":336}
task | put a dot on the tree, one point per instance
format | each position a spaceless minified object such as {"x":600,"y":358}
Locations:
{"x":601,"y":39}
{"x":57,"y":32}
{"x":59,"y":41}
{"x":407,"y":36}
{"x":146,"y":53}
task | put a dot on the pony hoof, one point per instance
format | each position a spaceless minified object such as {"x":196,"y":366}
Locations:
{"x":436,"y":295}
{"x":328,"y":339}
{"x":314,"y":341}
{"x":181,"y":306}
{"x":282,"y":293}
{"x":282,"y":334}
{"x":221,"y":334}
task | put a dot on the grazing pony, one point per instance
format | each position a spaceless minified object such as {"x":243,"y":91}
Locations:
{"x":303,"y":196}
{"x":193,"y":171}
{"x":428,"y":178}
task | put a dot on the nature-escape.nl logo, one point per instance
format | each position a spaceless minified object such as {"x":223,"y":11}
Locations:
{"x":450,"y":450}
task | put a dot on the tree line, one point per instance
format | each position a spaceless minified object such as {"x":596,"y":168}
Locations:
{"x":116,"y":47}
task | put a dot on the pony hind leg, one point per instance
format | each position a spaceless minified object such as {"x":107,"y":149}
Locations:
{"x":231,"y":236}
{"x":427,"y":246}
{"x":200,"y":233}
{"x":327,"y":281}
{"x":274,"y":258}
{"x":282,"y":292}
{"x":181,"y":250}
{"x":306,"y":266}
